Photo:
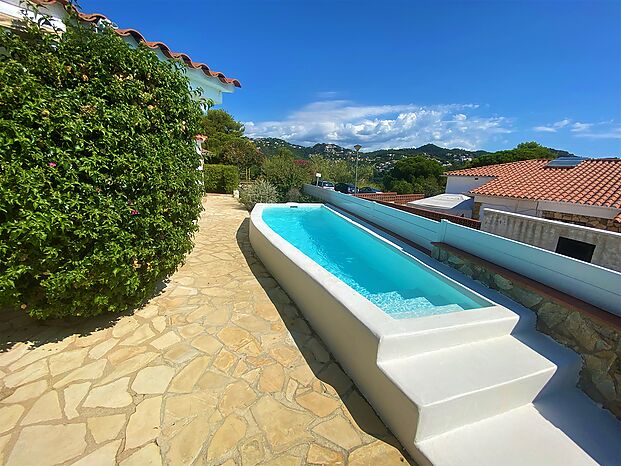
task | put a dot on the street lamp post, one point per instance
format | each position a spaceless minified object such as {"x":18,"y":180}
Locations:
{"x":357,"y":147}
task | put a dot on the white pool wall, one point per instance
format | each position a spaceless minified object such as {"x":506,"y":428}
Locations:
{"x":359,"y":334}
{"x":332,"y":310}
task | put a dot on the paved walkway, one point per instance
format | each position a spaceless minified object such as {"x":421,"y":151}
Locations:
{"x":220,"y":368}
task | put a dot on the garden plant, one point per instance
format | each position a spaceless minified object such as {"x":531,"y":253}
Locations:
{"x":99,"y":188}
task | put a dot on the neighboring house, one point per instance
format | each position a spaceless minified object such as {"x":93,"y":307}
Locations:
{"x":568,"y":189}
{"x":212,"y":83}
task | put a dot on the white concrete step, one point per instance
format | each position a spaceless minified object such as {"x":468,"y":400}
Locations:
{"x":411,"y":337}
{"x":471,"y":382}
{"x":581,"y":434}
{"x":416,"y":313}
{"x":567,"y":361}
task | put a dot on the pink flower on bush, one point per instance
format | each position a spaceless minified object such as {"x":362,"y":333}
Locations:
{"x":52,"y":164}
{"x":134,"y":212}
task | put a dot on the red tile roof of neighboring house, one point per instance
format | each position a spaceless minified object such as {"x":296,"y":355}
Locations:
{"x":592,"y":182}
{"x":94,"y":17}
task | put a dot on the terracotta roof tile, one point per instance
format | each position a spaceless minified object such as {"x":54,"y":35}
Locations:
{"x":94,"y":17}
{"x":591,"y":182}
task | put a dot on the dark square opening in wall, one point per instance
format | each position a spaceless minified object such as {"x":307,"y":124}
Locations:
{"x":576,"y":249}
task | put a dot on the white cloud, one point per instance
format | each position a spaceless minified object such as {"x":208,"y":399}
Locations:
{"x":554,"y":127}
{"x":545,"y":129}
{"x":384,"y":126}
{"x":578,"y":127}
{"x":599,"y":130}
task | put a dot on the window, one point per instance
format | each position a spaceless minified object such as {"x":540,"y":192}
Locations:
{"x":574,"y":248}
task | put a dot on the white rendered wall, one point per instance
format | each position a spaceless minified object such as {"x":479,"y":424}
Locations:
{"x":506,"y":204}
{"x":588,"y":282}
{"x":545,"y":234}
{"x":535,"y":208}
{"x":464,"y":184}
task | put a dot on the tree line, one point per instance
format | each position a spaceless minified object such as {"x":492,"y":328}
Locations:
{"x":226,"y":144}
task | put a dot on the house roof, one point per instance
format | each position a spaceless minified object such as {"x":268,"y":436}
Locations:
{"x":95,"y":17}
{"x":594,"y":182}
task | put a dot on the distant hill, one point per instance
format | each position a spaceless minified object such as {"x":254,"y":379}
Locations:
{"x":382,"y":159}
{"x":441,"y":154}
{"x":270,"y":146}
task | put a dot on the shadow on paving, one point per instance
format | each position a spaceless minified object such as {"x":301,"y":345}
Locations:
{"x":19,"y":327}
{"x":329,"y":372}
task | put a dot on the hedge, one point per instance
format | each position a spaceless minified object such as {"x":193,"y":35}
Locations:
{"x":99,"y":187}
{"x":220,"y":178}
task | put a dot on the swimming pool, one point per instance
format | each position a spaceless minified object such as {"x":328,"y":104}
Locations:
{"x":394,"y":281}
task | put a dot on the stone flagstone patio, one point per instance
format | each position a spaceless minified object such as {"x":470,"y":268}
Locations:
{"x":219,"y":368}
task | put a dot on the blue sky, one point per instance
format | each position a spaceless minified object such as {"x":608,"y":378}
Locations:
{"x":404,"y":73}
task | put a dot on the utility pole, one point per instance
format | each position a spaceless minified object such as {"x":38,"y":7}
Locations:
{"x":357,"y":147}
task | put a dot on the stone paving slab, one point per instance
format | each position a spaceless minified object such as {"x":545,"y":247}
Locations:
{"x":219,"y":368}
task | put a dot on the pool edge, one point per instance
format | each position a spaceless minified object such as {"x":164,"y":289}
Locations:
{"x":360,"y":335}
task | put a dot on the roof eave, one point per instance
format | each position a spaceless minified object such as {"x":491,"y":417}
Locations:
{"x":57,"y":7}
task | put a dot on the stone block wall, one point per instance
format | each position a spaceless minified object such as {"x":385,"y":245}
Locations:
{"x":476,"y":210}
{"x":590,"y":331}
{"x":594,"y":222}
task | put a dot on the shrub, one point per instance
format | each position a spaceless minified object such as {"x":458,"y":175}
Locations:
{"x":99,"y":187}
{"x":293,"y":195}
{"x":307,"y":198}
{"x":220,"y":178}
{"x":283,"y":173}
{"x":259,"y":191}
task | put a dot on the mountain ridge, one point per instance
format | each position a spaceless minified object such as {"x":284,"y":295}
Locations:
{"x":382,"y":159}
{"x":270,"y":146}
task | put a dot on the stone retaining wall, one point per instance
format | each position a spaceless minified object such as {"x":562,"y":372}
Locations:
{"x":590,"y":331}
{"x":609,"y":224}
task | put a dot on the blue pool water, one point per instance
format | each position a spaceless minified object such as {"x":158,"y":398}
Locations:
{"x":390,"y":279}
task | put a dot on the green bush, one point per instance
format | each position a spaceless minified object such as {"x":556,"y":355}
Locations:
{"x":220,"y":178}
{"x":283,"y":173}
{"x":293,"y":195}
{"x":99,"y":187}
{"x":259,"y":191}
